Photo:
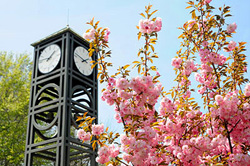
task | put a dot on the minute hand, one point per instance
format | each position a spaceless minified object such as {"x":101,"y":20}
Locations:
{"x":50,"y":56}
{"x":79,"y":56}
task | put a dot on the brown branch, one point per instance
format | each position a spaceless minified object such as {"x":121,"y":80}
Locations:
{"x":146,"y":56}
{"x":121,"y":161}
{"x":234,"y":126}
{"x":229,"y":140}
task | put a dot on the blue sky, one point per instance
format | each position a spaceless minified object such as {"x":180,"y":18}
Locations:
{"x":26,"y":21}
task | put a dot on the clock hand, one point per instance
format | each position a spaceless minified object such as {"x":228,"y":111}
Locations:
{"x":84,"y":60}
{"x":43,"y":59}
{"x":50,"y":55}
{"x":79,"y":56}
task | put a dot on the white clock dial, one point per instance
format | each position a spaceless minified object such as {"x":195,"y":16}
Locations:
{"x":49,"y":58}
{"x":83,"y":60}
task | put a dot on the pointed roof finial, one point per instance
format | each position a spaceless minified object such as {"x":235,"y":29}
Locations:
{"x":68,"y":19}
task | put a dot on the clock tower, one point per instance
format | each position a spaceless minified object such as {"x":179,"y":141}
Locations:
{"x":63,"y":87}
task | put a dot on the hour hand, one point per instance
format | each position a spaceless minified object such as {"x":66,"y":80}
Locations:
{"x":43,"y":59}
{"x":84,"y":60}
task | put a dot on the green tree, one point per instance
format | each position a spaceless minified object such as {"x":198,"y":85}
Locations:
{"x":15,"y":74}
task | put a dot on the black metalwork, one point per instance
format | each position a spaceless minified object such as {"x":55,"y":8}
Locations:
{"x":56,"y":99}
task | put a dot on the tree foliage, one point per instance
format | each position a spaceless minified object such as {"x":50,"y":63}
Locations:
{"x":14,"y":101}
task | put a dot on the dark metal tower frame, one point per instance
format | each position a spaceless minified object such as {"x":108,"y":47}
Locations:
{"x":56,"y":99}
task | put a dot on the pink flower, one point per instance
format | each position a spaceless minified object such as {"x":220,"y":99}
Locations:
{"x":127,"y":157}
{"x":180,"y":156}
{"x":122,"y":83}
{"x":219,"y":99}
{"x":107,"y":31}
{"x":103,"y":155}
{"x":189,"y":67}
{"x":114,"y":150}
{"x":231,"y":27}
{"x":146,"y":26}
{"x":204,"y":43}
{"x":118,"y":118}
{"x":102,"y":159}
{"x":222,"y":59}
{"x":231,"y":46}
{"x":157,"y":73}
{"x":111,"y":80}
{"x":106,"y":34}
{"x":207,"y":1}
{"x":124,"y":139}
{"x":154,"y":160}
{"x":113,"y":95}
{"x":247,"y":90}
{"x":103,"y":151}
{"x":97,"y":129}
{"x":149,"y":26}
{"x":158,"y":24}
{"x":176,"y":62}
{"x":246,"y":106}
{"x":89,"y":35}
{"x":202,"y":90}
{"x":82,"y":135}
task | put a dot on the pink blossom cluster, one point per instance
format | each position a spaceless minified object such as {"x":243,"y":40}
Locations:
{"x":205,"y":44}
{"x":141,"y":147}
{"x":82,"y":135}
{"x":167,"y":106}
{"x":141,"y":88}
{"x":231,"y":46}
{"x":143,"y":91}
{"x":231,"y":27}
{"x":189,"y":67}
{"x":106,"y":34}
{"x":206,"y":78}
{"x":105,"y":153}
{"x":97,"y":129}
{"x":184,"y":82}
{"x":135,"y":150}
{"x":189,"y":151}
{"x":228,"y":106}
{"x":89,"y":35}
{"x":149,"y":26}
{"x":238,"y":122}
{"x":207,"y":1}
{"x":247,"y":90}
{"x":176,"y":62}
{"x":239,"y":159}
{"x":212,"y":57}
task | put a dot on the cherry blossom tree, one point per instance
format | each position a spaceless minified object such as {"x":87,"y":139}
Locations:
{"x":179,"y":131}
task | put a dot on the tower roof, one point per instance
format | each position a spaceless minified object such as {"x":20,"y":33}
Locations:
{"x":66,"y":29}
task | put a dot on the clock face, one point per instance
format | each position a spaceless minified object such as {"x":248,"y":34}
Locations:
{"x":83,"y":60}
{"x":49,"y":58}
